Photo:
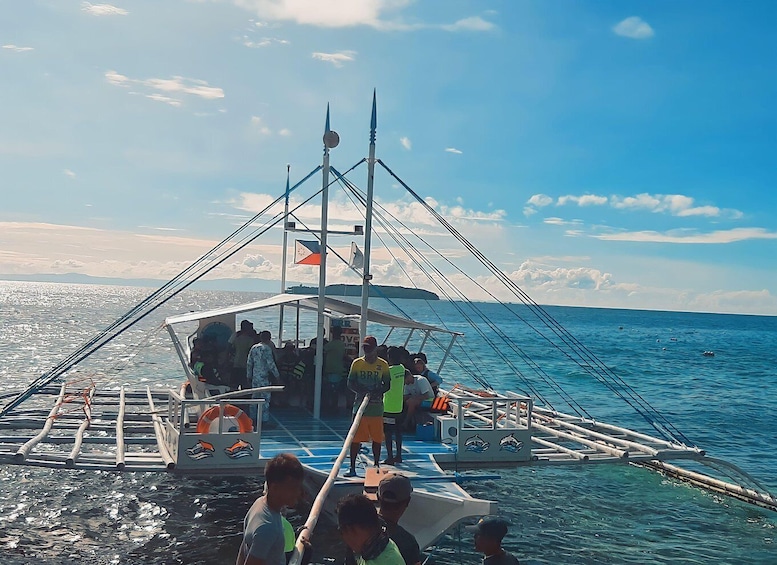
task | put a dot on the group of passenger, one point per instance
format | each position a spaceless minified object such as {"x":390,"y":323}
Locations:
{"x":372,"y":536}
{"x":251,"y":360}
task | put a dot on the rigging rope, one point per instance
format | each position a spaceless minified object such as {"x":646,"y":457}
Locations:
{"x":156,"y":299}
{"x":577,"y":351}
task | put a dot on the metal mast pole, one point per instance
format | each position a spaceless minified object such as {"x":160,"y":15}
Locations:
{"x":331,"y":140}
{"x":367,"y":277}
{"x":283,"y":261}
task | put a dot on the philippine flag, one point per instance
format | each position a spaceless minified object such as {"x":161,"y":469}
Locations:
{"x":307,"y":253}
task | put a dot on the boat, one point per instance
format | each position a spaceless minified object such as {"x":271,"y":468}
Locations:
{"x":63,"y":422}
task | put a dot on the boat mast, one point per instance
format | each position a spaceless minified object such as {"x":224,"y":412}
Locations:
{"x":283,"y":261}
{"x":331,"y":140}
{"x":367,"y":277}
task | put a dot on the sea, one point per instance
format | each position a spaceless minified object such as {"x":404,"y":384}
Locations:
{"x":587,"y":514}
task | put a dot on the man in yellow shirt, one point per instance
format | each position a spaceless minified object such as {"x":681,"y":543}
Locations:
{"x":369,"y":374}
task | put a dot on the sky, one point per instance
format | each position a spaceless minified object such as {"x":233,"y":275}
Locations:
{"x":609,"y":154}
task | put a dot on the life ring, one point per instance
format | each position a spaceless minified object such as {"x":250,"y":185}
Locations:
{"x":235,"y":420}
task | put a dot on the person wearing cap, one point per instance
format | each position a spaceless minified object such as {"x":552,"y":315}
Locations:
{"x":417,"y":390}
{"x":363,"y":533}
{"x":420,"y":368}
{"x":394,"y":491}
{"x":369,"y":374}
{"x":489,"y":532}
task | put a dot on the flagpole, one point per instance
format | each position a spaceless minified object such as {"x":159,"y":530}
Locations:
{"x":331,"y":139}
{"x":368,"y":222}
{"x":283,"y":261}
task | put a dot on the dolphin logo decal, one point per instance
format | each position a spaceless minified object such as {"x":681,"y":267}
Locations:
{"x":201,"y":450}
{"x":239,"y":449}
{"x":477,"y":444}
{"x":510,"y":443}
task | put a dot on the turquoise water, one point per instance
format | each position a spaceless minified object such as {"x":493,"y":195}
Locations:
{"x":584,"y":514}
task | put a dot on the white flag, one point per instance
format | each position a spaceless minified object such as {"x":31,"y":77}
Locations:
{"x":357,"y":257}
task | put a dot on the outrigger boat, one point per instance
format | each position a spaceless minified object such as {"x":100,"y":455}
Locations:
{"x":82,"y":424}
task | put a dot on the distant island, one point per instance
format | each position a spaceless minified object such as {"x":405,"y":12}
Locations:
{"x":377,"y":291}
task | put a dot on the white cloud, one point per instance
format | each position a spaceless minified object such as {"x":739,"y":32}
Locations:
{"x":349,"y":13}
{"x":540,"y":200}
{"x":337,"y":59}
{"x":453,"y":150}
{"x":285,"y":132}
{"x":263,"y":42}
{"x":165,"y":99}
{"x":561,"y":222}
{"x":634,"y":28}
{"x":103,"y":9}
{"x":17,"y":49}
{"x":175,"y":85}
{"x":406,"y":143}
{"x":584,"y":200}
{"x":69,"y":173}
{"x":258,"y":124}
{"x":688,"y":236}
{"x":675,"y":204}
{"x":475,"y":23}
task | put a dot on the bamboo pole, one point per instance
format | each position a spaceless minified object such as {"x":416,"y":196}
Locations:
{"x":71,"y":459}
{"x":120,"y":433}
{"x":579,"y":429}
{"x":22,"y":453}
{"x":318,"y":504}
{"x":159,"y":433}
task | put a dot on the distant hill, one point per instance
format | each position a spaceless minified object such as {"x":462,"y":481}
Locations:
{"x":377,"y":291}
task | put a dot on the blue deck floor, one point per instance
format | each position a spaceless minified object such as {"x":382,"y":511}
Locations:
{"x":318,"y":443}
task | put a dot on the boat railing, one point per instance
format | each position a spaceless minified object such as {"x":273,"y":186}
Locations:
{"x":224,"y":436}
{"x":489,"y":428}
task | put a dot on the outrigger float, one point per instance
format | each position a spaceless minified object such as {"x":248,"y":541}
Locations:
{"x":87,"y":425}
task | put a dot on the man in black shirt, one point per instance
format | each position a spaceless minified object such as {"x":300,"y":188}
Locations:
{"x":489,"y":532}
{"x":394,"y":492}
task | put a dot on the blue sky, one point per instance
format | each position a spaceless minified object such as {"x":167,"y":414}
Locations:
{"x":615,"y":154}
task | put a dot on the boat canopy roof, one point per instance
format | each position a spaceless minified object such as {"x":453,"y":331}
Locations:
{"x":332,"y":308}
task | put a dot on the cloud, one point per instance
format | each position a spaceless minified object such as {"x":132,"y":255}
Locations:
{"x":349,"y":13}
{"x":584,"y":200}
{"x":475,"y":23}
{"x":263,"y":42}
{"x":103,"y":9}
{"x":165,"y":99}
{"x":634,"y":28}
{"x":69,"y":173}
{"x":453,"y":150}
{"x":285,"y":132}
{"x":406,"y":143}
{"x":258,"y":124}
{"x":675,"y":204}
{"x":337,"y":59}
{"x":540,"y":200}
{"x":172,"y":86}
{"x":688,"y":236}
{"x":17,"y":49}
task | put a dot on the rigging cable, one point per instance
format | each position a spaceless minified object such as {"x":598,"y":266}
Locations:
{"x":591,"y":363}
